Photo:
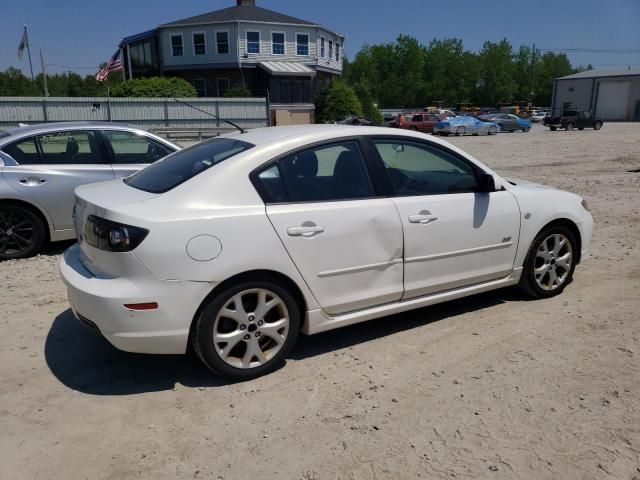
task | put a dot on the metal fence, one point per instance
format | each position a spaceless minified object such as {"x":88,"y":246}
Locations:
{"x":151,"y":113}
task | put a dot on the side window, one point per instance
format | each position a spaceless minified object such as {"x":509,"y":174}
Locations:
{"x":273,"y":185}
{"x":420,"y":169}
{"x":326,"y":173}
{"x":70,"y":148}
{"x":24,"y":151}
{"x":129,"y":148}
{"x":417,"y":118}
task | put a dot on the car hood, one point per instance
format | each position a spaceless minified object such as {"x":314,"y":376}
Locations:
{"x":527,"y":185}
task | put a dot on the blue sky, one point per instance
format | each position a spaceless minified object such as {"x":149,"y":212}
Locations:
{"x":84,"y":33}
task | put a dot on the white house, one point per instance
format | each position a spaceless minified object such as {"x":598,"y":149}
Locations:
{"x":272,"y":54}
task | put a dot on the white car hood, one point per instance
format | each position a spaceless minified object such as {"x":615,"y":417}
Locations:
{"x":526,"y":184}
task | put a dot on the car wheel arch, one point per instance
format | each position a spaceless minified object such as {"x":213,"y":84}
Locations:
{"x":33,"y":208}
{"x":569,"y":224}
{"x":255,"y":275}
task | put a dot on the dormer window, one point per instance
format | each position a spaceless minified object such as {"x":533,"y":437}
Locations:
{"x":277,"y":43}
{"x":253,"y":42}
{"x":302,"y":44}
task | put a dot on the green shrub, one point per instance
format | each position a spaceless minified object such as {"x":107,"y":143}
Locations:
{"x":237,"y":92}
{"x":337,"y":101}
{"x":154,"y":87}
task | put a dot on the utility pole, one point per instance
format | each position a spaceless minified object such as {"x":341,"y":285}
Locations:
{"x":533,"y":63}
{"x":44,"y":74}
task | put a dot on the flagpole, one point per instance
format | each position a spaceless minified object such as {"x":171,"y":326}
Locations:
{"x":44,"y":75}
{"x":33,"y":80}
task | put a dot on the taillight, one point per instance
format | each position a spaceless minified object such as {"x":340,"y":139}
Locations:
{"x":112,"y":236}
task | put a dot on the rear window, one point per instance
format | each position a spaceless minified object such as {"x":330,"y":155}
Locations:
{"x":181,"y":166}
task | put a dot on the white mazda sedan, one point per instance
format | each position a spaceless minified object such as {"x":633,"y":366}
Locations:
{"x":238,"y":244}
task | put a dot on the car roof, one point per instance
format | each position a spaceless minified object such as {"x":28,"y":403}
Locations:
{"x":46,"y":127}
{"x":13,"y":134}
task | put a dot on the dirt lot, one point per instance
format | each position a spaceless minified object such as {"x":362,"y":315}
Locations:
{"x":492,"y":386}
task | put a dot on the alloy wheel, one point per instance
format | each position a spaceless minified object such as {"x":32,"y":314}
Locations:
{"x":16,"y":232}
{"x":553,"y":262}
{"x":251,"y":328}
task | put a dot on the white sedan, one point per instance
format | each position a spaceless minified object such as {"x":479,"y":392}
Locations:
{"x":240,"y":243}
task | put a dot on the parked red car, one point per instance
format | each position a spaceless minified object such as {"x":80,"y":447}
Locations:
{"x":419,"y":121}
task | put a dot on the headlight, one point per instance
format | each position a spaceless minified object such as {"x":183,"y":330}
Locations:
{"x":585,"y":205}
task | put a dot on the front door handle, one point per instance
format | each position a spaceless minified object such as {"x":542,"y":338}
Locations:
{"x":305,"y":231}
{"x":32,"y":181}
{"x":424,"y":218}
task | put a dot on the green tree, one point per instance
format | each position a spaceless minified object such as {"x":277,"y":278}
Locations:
{"x":549,"y":67}
{"x":450,"y":72}
{"x":237,"y":92}
{"x":154,"y":87}
{"x":337,"y":101}
{"x":495,"y":83}
{"x":369,"y":108}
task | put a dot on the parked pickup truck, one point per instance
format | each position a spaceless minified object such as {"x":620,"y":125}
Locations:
{"x":420,"y":121}
{"x":573,"y":119}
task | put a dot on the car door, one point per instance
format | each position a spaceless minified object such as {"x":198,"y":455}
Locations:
{"x":454,"y":236}
{"x":51,"y":166}
{"x":345,"y":241}
{"x":130,"y":152}
{"x":509,"y":122}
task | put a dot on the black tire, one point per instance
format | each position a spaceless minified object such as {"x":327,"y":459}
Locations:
{"x":22,"y":232}
{"x":597,"y":126}
{"x":553,"y":129}
{"x":202,"y":333}
{"x":580,"y":128}
{"x":525,"y":130}
{"x":528,"y":284}
{"x":492,"y":131}
{"x":569,"y":127}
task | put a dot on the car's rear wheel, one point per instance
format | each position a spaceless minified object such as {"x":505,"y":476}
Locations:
{"x":550,"y":263}
{"x":597,"y":126}
{"x":553,"y":129}
{"x":492,"y":131}
{"x":460,"y":131}
{"x":22,"y":232}
{"x":569,"y":126}
{"x":526,"y":129}
{"x":247,"y":330}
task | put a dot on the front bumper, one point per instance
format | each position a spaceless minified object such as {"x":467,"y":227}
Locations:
{"x":101,"y":301}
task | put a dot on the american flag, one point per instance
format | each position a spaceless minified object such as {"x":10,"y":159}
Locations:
{"x":113,"y":65}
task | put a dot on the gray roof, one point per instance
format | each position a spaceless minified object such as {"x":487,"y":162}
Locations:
{"x":35,"y":128}
{"x":617,"y":72}
{"x":245,"y":13}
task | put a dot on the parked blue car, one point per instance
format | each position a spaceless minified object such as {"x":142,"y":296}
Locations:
{"x":465,"y":126}
{"x":508,"y":122}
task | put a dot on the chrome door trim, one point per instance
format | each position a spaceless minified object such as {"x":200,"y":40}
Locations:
{"x":361,"y":268}
{"x":458,"y":253}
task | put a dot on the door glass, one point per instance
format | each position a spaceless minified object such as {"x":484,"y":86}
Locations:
{"x":332,"y":172}
{"x":70,"y":148}
{"x":24,"y":152}
{"x":272,"y":185}
{"x":419,"y":169}
{"x":130,"y":148}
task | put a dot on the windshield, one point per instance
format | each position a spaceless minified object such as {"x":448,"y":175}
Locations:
{"x":181,"y":166}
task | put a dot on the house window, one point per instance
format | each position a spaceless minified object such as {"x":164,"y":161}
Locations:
{"x":200,"y":86}
{"x":253,"y":42}
{"x":337,"y":52}
{"x":322,"y":47}
{"x":222,"y":85}
{"x":330,"y":49}
{"x":199,"y":43}
{"x":302,"y":44}
{"x":177,"y":48}
{"x":222,"y":42}
{"x":277,"y":43}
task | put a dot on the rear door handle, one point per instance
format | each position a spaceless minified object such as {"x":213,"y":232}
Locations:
{"x":305,"y":231}
{"x":424,"y":218}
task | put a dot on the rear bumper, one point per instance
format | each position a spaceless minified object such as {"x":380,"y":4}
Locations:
{"x":101,"y":301}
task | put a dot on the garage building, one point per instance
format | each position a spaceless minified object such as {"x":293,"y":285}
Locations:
{"x":612,"y":94}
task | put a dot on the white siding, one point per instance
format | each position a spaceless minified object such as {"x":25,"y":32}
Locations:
{"x":212,"y":57}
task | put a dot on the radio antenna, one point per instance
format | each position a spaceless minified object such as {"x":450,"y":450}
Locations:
{"x":242,"y":130}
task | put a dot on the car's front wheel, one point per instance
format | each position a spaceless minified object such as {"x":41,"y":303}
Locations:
{"x":22,"y":232}
{"x":492,"y":131}
{"x":247,"y":330}
{"x":550,"y":263}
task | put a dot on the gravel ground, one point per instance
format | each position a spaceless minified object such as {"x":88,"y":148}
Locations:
{"x":492,"y":386}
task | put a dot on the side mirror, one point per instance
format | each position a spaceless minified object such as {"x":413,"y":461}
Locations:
{"x":487,"y":183}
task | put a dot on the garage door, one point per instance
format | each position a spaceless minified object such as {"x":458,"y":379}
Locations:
{"x":613,"y":100}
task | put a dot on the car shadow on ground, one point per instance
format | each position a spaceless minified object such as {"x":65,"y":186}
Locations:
{"x":84,"y":361}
